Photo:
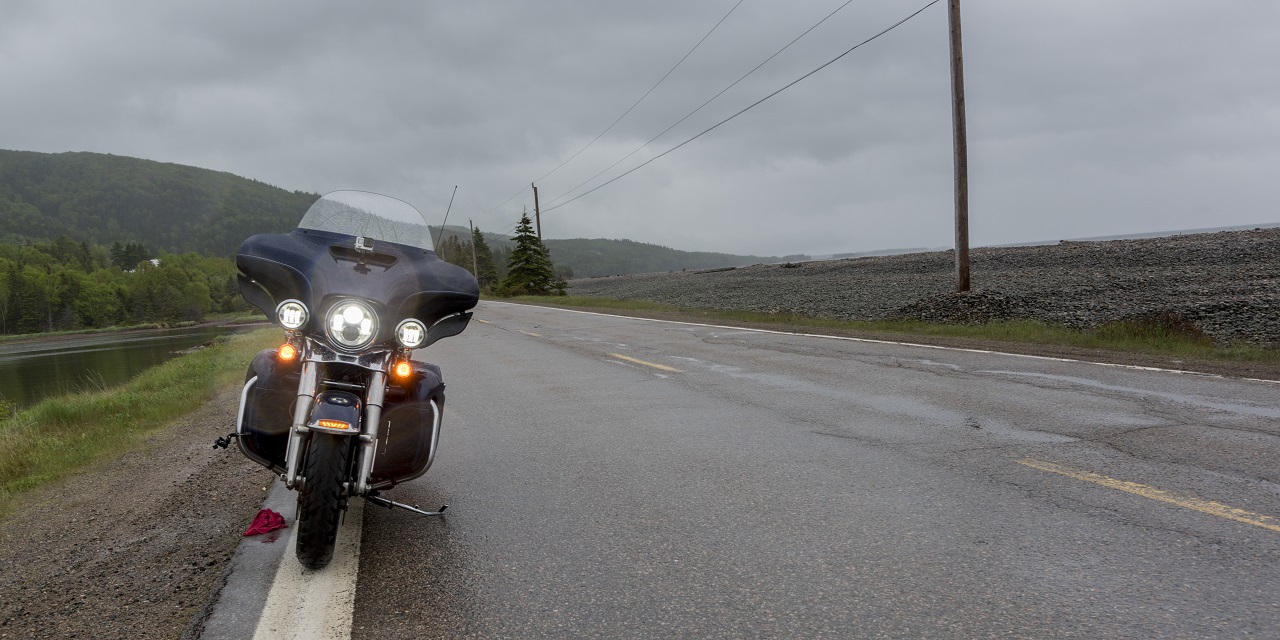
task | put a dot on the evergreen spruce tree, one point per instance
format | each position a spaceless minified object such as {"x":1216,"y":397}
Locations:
{"x":452,"y":250}
{"x":529,"y":270}
{"x":487,"y":273}
{"x":129,"y":255}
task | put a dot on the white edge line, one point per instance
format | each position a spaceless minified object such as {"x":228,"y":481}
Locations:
{"x":891,"y":342}
{"x":305,"y":604}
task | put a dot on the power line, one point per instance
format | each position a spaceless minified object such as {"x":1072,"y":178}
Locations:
{"x":624,"y":113}
{"x":646,"y":94}
{"x":709,"y":101}
{"x":744,"y":110}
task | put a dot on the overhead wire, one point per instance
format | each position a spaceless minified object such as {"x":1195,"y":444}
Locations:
{"x":553,"y":201}
{"x":624,"y":113}
{"x":744,"y":110}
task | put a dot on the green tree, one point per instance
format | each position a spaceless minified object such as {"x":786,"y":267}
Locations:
{"x":129,"y":255}
{"x":452,"y":250}
{"x":46,"y":287}
{"x":529,"y":270}
{"x":501,"y":256}
{"x":6,"y":294}
{"x":486,"y":272}
{"x":71,"y":253}
{"x":98,"y":304}
{"x":29,"y":290}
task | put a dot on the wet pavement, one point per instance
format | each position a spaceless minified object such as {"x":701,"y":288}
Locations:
{"x":618,"y":477}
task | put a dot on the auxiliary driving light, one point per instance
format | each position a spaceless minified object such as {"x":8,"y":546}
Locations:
{"x":292,"y":314}
{"x":287,"y":351}
{"x":411,"y":334}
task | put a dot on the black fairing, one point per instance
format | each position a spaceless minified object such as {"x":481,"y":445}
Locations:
{"x":318,"y":267}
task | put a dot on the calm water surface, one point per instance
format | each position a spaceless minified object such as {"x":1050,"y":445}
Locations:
{"x":30,"y":371}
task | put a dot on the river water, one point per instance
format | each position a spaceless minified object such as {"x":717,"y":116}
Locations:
{"x":31,"y":371}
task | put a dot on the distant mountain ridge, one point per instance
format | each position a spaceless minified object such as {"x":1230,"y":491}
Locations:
{"x":603,"y":257}
{"x":103,"y":198}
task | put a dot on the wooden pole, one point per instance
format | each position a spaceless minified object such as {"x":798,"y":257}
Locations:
{"x":961,"y":155}
{"x":537,"y":213}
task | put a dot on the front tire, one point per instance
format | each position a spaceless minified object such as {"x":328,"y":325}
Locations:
{"x":321,"y":499}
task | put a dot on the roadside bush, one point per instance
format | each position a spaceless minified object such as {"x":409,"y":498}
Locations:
{"x":1157,"y":326}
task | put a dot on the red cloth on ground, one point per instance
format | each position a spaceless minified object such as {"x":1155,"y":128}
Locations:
{"x":266,"y":520}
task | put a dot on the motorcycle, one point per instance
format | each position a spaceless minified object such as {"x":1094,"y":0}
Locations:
{"x":341,"y":410}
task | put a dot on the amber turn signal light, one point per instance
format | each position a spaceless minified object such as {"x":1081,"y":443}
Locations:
{"x":334,"y":424}
{"x":402,"y":369}
{"x":287,"y":351}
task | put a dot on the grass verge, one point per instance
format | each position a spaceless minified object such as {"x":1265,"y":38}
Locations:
{"x":1153,"y":336}
{"x":61,"y":435}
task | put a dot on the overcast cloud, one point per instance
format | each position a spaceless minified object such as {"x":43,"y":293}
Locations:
{"x":1086,"y":117}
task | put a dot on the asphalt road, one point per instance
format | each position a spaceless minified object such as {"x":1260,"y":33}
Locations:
{"x":615,"y":477}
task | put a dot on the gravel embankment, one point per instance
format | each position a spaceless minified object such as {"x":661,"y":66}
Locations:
{"x":133,"y":547}
{"x":1224,"y":283}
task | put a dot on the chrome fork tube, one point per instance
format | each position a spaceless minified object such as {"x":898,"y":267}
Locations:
{"x":369,"y":436}
{"x":306,"y":393}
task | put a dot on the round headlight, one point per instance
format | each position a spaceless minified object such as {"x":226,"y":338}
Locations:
{"x":411,"y":334}
{"x":352,"y":324}
{"x":292,"y":314}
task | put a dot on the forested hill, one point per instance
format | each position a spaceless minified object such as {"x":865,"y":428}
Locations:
{"x":600,"y":257}
{"x":101,"y":199}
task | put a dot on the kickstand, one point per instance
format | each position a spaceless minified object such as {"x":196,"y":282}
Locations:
{"x":390,"y":504}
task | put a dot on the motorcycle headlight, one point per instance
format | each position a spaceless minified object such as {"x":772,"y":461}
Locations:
{"x":411,"y":334}
{"x":292,"y":314}
{"x":352,"y":324}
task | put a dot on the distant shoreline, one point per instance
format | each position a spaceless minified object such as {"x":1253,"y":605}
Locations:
{"x":57,"y":336}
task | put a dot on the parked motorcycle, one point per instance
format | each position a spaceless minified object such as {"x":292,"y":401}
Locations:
{"x":340,"y":409}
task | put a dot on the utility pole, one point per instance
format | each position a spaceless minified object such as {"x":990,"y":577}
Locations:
{"x":537,"y":213}
{"x":475,"y":270}
{"x":961,"y":155}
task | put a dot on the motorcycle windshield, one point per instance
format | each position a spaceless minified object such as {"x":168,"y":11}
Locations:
{"x":368,"y":215}
{"x":353,"y":244}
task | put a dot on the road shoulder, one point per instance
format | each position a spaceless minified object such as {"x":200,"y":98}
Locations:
{"x":132,"y":547}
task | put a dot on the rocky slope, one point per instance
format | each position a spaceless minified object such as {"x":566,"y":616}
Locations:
{"x":1225,"y":284}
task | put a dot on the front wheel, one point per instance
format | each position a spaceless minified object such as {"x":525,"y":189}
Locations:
{"x":320,"y":501}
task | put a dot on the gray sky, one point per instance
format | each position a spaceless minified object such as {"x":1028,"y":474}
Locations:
{"x":1086,"y":117}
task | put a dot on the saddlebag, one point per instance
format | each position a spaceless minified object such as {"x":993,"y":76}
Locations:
{"x":266,"y":409}
{"x":410,"y":430}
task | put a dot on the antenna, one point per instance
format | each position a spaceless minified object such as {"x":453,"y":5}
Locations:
{"x":446,"y":219}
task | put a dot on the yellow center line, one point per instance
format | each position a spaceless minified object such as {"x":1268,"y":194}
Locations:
{"x":529,"y":333}
{"x":647,"y":364}
{"x":1195,"y":504}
